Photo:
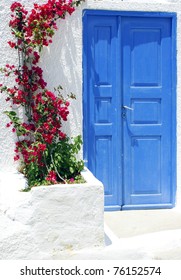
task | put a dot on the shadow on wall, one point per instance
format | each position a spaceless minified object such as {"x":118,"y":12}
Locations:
{"x":62,"y":65}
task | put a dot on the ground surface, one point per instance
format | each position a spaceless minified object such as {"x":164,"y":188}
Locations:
{"x":132,"y":223}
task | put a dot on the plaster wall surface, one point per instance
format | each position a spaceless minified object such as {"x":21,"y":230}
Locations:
{"x":62,"y":65}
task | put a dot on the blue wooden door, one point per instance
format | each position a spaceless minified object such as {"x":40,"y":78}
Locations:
{"x":129,"y":111}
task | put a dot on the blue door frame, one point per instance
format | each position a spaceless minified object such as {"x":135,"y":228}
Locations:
{"x":129,"y":104}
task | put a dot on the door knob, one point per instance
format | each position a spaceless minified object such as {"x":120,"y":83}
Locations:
{"x":128,"y":108}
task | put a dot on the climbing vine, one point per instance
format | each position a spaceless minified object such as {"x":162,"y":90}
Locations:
{"x":46,"y":153}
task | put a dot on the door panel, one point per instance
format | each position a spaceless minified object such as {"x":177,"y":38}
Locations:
{"x":129,"y":109}
{"x":147,"y":128}
{"x":102,"y":105}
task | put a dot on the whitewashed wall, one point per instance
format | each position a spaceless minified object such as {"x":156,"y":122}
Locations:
{"x":62,"y":64}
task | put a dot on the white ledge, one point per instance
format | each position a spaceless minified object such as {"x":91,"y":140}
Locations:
{"x":50,"y":219}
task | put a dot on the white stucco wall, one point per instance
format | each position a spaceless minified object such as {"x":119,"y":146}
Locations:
{"x":62,"y":64}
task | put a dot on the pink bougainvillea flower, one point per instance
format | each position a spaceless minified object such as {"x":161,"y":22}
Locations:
{"x":52,"y":177}
{"x":17,"y":157}
{"x":11,"y":44}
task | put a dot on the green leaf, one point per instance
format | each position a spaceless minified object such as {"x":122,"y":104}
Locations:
{"x":10,"y":113}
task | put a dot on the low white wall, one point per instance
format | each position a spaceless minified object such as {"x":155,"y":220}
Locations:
{"x":47,"y":220}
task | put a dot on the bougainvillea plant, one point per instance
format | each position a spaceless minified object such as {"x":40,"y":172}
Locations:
{"x":46,"y":153}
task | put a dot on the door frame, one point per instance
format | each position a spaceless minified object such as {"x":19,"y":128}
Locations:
{"x":173,"y":17}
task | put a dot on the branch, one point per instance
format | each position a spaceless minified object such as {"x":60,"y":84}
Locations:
{"x":57,"y":170}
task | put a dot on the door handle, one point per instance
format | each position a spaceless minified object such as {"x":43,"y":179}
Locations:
{"x":128,"y":108}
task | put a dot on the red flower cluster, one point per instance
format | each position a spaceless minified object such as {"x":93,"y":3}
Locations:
{"x":38,"y":27}
{"x":26,"y":78}
{"x":44,"y":17}
{"x":48,"y":113}
{"x":15,"y":6}
{"x":52,"y":177}
{"x":31,"y":152}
